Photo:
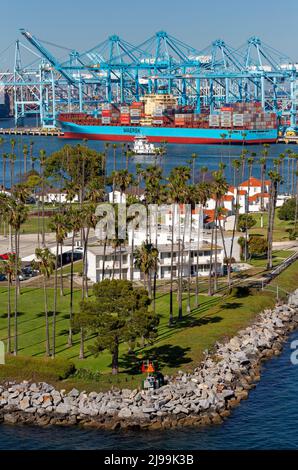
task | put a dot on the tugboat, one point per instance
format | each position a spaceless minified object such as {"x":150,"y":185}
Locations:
{"x":141,"y":146}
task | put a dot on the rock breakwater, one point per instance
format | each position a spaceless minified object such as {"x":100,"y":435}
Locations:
{"x":205,"y":396}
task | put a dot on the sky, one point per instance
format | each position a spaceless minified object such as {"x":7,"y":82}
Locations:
{"x":82,"y":24}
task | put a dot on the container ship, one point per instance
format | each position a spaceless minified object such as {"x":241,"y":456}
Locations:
{"x":160,"y":119}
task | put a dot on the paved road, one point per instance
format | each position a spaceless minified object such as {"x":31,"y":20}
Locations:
{"x":286,"y":245}
{"x":28,"y":243}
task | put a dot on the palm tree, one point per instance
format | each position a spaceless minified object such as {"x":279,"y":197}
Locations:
{"x":128,"y":155}
{"x":155,"y":193}
{"x":243,"y":161}
{"x":17,"y":214}
{"x":75,"y":221}
{"x":250,"y":162}
{"x":115,"y":146}
{"x":7,"y":268}
{"x":262,"y":161}
{"x":139,"y":173}
{"x":219,"y":189}
{"x":105,"y":158}
{"x":201,"y":196}
{"x":204,"y":170}
{"x":12,"y":159}
{"x":59,"y":225}
{"x":3,"y":159}
{"x":289,"y":153}
{"x":123,"y":179}
{"x":296,"y":200}
{"x":275,"y":180}
{"x":32,"y":158}
{"x":236,"y":165}
{"x":223,"y":138}
{"x":25,"y":155}
{"x":42,"y":155}
{"x":194,"y":156}
{"x":178,"y":193}
{"x":45,"y":263}
{"x":146,"y":260}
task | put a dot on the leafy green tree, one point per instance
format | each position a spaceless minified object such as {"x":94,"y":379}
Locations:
{"x":288,"y":210}
{"x":76,"y":166}
{"x":246,"y":222}
{"x":257,"y":246}
{"x":114,"y":316}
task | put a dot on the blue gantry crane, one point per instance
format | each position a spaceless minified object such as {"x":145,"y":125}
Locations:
{"x":120,"y":72}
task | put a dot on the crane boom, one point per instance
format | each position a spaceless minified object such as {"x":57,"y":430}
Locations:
{"x":47,"y":54}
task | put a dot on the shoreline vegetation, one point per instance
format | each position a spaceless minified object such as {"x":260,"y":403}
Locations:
{"x":205,"y":396}
{"x":178,"y":347}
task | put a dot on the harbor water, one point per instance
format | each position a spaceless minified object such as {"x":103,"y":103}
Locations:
{"x":207,"y":155}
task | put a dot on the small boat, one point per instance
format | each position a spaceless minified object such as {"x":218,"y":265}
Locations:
{"x":142,"y":146}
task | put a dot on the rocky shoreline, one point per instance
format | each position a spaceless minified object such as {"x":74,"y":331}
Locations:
{"x":203,"y":397}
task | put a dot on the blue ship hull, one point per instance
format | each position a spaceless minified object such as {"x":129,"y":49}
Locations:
{"x":179,"y":135}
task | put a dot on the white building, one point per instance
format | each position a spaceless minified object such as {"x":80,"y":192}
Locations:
{"x":56,"y":196}
{"x":117,"y":198}
{"x":191,"y":247}
{"x":117,"y":260}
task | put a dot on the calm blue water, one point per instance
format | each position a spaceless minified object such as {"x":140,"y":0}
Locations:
{"x":267,"y":420}
{"x":208,"y":155}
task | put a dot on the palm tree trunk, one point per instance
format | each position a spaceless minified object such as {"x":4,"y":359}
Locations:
{"x":114,"y":260}
{"x":85,"y":280}
{"x":149,"y":285}
{"x":115,"y":358}
{"x":43,"y":241}
{"x":61,"y":271}
{"x":69,"y":341}
{"x":180,"y":274}
{"x":82,"y":352}
{"x":120,"y":261}
{"x":215,"y":254}
{"x":197,"y":264}
{"x":47,"y":317}
{"x":271,"y":223}
{"x":104,"y":259}
{"x":131,"y":257}
{"x":16,"y":297}
{"x":172,"y":269}
{"x":210,"y":291}
{"x":55,"y":302}
{"x":9,"y":315}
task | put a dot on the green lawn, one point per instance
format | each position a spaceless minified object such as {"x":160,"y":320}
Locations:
{"x":280,"y":227}
{"x":179,"y":347}
{"x":31,"y":225}
{"x":278,"y":257}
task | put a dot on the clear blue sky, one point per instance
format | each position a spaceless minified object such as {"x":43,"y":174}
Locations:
{"x":82,"y":24}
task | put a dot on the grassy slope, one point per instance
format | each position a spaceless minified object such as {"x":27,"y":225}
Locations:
{"x":280,"y":227}
{"x":178,"y":347}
